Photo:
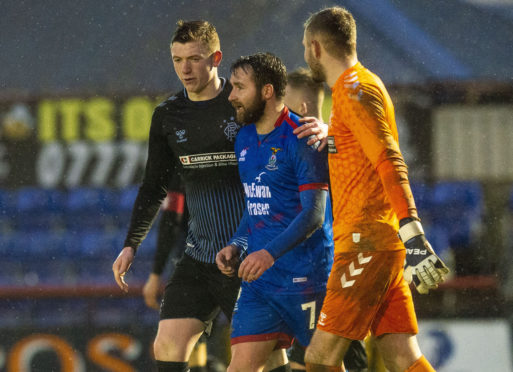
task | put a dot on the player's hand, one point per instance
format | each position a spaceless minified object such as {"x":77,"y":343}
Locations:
{"x":121,"y":266}
{"x":255,"y":264}
{"x":150,"y":291}
{"x":423,"y":266}
{"x":227,"y":260}
{"x":315,"y":130}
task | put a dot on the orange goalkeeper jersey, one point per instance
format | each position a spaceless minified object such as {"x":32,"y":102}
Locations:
{"x":368,"y":175}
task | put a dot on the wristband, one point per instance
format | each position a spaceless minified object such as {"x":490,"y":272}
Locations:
{"x":410,"y":230}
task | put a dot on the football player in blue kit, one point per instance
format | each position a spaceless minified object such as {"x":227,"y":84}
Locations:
{"x":286,"y":223}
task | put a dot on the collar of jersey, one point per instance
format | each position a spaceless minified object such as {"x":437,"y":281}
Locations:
{"x":284,"y":117}
{"x":206,"y":102}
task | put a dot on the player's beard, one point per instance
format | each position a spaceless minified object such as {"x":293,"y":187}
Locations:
{"x":253,"y":113}
{"x":318,"y":73}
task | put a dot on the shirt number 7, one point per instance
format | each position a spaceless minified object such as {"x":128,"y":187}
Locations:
{"x":310,"y":306}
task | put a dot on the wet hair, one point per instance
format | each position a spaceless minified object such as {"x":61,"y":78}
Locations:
{"x":203,"y":31}
{"x":312,"y":91}
{"x":302,"y":78}
{"x":336,"y":28}
{"x":267,"y":69}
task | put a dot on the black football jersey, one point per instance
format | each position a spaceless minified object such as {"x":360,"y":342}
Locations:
{"x":197,"y":138}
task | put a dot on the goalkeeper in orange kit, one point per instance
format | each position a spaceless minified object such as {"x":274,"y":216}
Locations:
{"x":374,"y":212}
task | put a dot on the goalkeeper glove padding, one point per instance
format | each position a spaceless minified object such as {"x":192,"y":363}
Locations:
{"x":423,"y":266}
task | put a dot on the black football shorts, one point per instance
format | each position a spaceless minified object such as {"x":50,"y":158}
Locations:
{"x":199,"y":290}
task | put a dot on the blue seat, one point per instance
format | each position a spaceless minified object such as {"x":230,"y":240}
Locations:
{"x":467,"y":196}
{"x":98,"y":243}
{"x":96,"y":270}
{"x":439,"y":238}
{"x":149,"y":244}
{"x":11,"y":273}
{"x":7,"y":208}
{"x":23,"y":245}
{"x":38,"y":208}
{"x":126,"y":202}
{"x":38,"y":244}
{"x":57,"y":271}
{"x":422,"y":193}
{"x":127,"y":198}
{"x":458,"y":208}
{"x":88,"y":208}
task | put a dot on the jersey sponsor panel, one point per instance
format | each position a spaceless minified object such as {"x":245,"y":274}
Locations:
{"x":216,"y":159}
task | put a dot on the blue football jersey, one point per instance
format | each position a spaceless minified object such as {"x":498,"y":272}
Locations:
{"x":274,"y":169}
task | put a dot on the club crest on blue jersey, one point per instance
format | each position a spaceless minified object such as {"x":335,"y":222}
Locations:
{"x":231,"y":129}
{"x":271,"y":164}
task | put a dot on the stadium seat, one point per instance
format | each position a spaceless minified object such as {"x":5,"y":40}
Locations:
{"x":39,"y":209}
{"x":97,"y":244}
{"x":126,"y":202}
{"x":37,"y":244}
{"x":90,"y":208}
{"x":7,"y":209}
{"x":422,"y":193}
{"x":457,"y":208}
{"x":52,"y":272}
{"x":11,"y":273}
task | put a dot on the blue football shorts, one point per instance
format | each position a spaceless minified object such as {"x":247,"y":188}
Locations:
{"x":263,"y":316}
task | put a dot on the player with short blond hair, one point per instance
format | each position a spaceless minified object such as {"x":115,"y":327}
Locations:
{"x":374,"y":212}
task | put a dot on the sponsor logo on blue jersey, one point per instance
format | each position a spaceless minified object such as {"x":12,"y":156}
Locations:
{"x":242,"y":155}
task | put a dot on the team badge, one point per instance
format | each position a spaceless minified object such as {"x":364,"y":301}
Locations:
{"x":231,"y":129}
{"x":271,"y":164}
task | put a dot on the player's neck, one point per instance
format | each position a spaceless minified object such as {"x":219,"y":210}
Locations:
{"x":210,"y":91}
{"x":272,"y":112}
{"x":337,"y":67}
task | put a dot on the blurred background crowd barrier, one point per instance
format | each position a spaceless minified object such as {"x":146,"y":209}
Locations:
{"x":78,"y":85}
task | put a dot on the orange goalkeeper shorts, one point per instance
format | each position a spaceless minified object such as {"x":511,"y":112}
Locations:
{"x":367,"y":292}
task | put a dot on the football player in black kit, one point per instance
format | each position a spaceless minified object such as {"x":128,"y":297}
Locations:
{"x":194,"y":130}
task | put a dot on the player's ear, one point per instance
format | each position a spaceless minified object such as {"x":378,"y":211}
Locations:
{"x":316,"y":48}
{"x":217,"y":57}
{"x":267,"y":91}
{"x":303,"y":109}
